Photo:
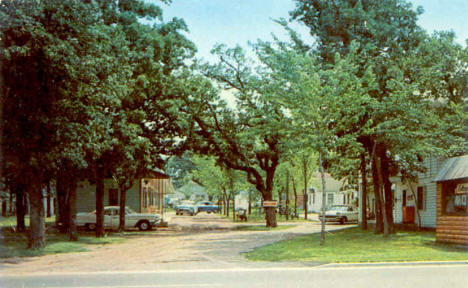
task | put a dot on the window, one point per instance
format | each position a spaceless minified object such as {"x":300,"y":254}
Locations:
{"x":109,"y":212}
{"x":421,"y":198}
{"x":454,"y":197}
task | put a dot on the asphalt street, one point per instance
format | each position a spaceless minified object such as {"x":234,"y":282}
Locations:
{"x":453,"y":276}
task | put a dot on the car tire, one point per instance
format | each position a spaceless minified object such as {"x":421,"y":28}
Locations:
{"x":90,"y":226}
{"x":144,"y":225}
{"x":209,"y":212}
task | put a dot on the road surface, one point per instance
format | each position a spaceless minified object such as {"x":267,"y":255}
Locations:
{"x":427,"y":276}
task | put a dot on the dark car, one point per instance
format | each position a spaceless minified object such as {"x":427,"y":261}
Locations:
{"x":207,"y":206}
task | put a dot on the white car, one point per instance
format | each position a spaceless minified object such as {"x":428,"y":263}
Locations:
{"x":341,"y":214}
{"x":111,"y":219}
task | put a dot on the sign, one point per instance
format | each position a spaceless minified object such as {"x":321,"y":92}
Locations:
{"x":462,"y":188}
{"x":271,"y":203}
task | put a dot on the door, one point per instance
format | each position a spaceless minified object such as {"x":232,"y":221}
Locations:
{"x":404,"y":198}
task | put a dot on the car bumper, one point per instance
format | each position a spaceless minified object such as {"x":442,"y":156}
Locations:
{"x":331,"y":218}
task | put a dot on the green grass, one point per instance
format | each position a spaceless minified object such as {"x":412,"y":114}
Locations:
{"x":262,"y":228}
{"x":11,"y":221}
{"x":14,"y":245}
{"x":355,"y":245}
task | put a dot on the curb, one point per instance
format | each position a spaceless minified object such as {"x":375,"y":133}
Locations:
{"x":383,"y":264}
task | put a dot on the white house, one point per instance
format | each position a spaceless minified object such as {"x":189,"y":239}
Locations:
{"x":420,"y":195}
{"x":335,"y":194}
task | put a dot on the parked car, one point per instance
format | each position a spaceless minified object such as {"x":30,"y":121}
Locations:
{"x":186,"y":207}
{"x":341,"y":214}
{"x":207,"y":206}
{"x":111,"y":219}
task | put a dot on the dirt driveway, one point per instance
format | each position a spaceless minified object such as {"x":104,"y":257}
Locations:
{"x":205,"y":241}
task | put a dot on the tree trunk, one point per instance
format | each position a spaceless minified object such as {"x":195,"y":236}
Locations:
{"x":295,"y":195}
{"x":100,"y":202}
{"x":322,"y":175}
{"x":63,"y":212}
{"x":228,"y":200}
{"x":270,"y":212}
{"x":36,"y":217}
{"x":4,"y":208}
{"x":10,"y":207}
{"x":379,"y":225}
{"x":123,"y":196}
{"x":72,"y":229}
{"x":250,"y":202}
{"x":387,"y":185}
{"x":48,"y":199}
{"x":287,"y":195}
{"x":20,"y":207}
{"x":233,"y":208}
{"x":364,"y":192}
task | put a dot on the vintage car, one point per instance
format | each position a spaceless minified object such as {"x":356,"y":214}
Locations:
{"x":207,"y":206}
{"x":186,"y":207}
{"x":341,"y":214}
{"x":111,"y":219}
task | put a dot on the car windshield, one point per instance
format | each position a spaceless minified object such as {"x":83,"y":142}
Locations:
{"x":339,"y":208}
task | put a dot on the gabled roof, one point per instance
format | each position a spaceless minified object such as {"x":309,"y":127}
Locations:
{"x":453,"y":168}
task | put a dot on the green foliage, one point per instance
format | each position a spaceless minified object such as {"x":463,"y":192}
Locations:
{"x":411,"y":105}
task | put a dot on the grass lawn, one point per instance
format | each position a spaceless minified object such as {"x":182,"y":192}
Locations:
{"x":11,"y":221}
{"x":355,"y":245}
{"x":14,"y":244}
{"x":262,"y":228}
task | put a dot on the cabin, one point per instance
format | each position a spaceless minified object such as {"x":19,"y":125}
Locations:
{"x":451,"y":199}
{"x":145,"y":196}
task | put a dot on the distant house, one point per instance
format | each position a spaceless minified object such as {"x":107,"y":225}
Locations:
{"x":335,"y":194}
{"x":145,"y":196}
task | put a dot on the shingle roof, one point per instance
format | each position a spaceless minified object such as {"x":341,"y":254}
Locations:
{"x":453,"y":168}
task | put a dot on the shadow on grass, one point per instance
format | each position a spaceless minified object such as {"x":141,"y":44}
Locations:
{"x":15,"y":244}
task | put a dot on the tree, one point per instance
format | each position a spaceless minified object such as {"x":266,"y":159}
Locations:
{"x":389,"y":39}
{"x":83,"y":74}
{"x":219,"y":181}
{"x":252,"y":137}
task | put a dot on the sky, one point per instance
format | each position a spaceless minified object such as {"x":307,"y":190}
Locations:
{"x":233,"y":22}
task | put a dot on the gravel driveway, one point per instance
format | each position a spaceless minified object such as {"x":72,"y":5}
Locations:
{"x":205,"y":241}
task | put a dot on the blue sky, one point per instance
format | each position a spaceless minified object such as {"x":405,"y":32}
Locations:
{"x":239,"y":21}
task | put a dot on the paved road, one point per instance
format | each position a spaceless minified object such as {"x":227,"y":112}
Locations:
{"x":201,"y":242}
{"x":452,"y":276}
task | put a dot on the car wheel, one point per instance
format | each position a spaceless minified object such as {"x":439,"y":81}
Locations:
{"x":90,"y":226}
{"x":208,"y":212}
{"x":144,"y":225}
